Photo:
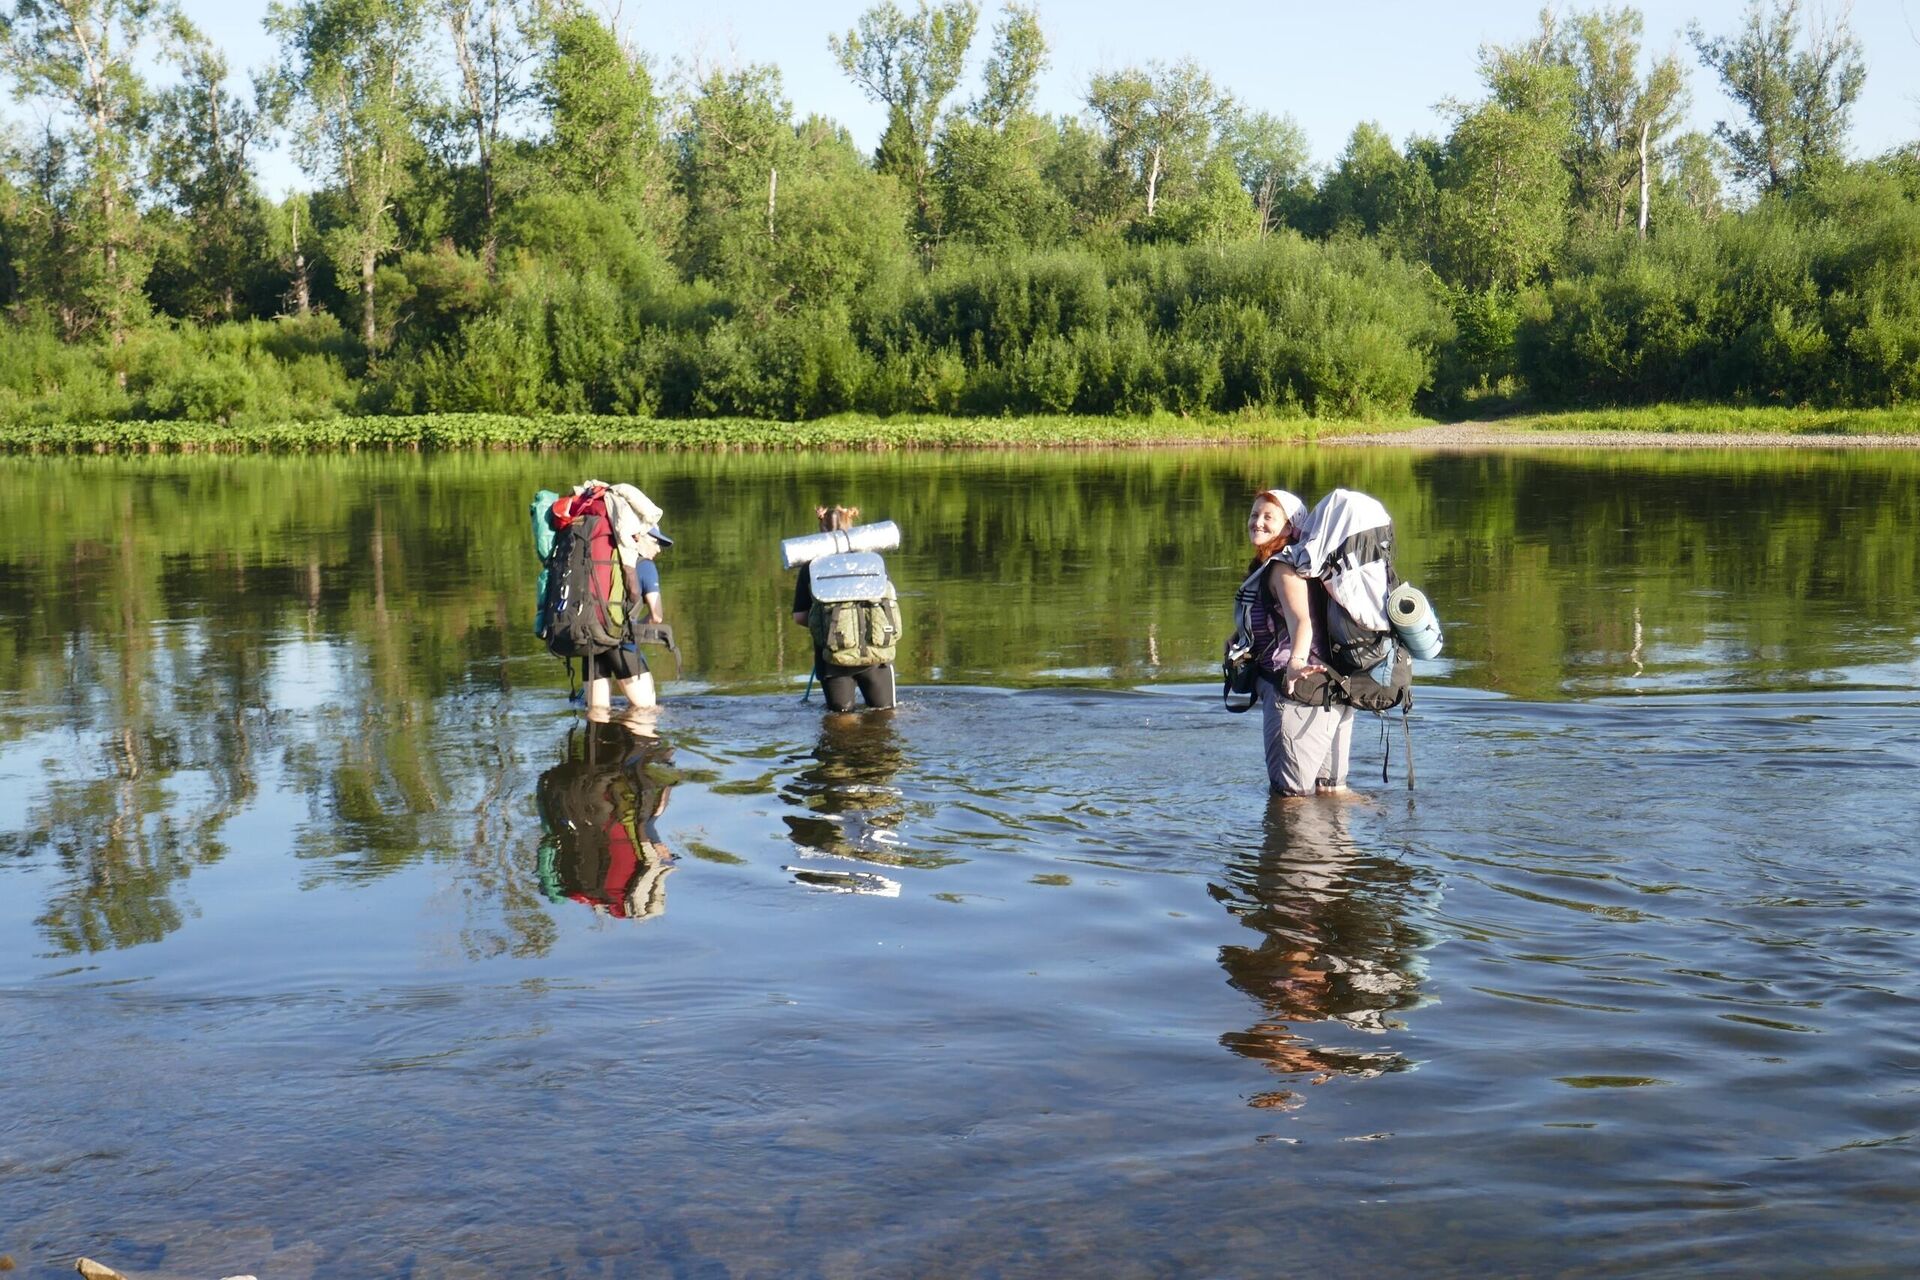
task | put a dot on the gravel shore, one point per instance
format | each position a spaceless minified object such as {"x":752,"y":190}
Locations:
{"x":1491,"y":435}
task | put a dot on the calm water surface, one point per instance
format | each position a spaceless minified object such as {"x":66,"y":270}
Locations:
{"x":333,"y":944}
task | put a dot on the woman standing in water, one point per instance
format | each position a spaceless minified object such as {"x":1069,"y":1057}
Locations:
{"x":874,"y":681}
{"x":1307,"y":741}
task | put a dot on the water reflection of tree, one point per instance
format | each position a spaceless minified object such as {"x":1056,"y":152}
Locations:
{"x":164,"y":730}
{"x":599,"y":844}
{"x":1336,"y":954}
{"x":1536,"y":563}
{"x":852,"y":807}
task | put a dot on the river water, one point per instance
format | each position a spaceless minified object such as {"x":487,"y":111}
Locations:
{"x":334,"y":943}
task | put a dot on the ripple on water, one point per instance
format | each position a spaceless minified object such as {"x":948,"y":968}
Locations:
{"x":1610,"y":984}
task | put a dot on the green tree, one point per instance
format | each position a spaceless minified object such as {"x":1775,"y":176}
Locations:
{"x":1797,"y":87}
{"x":81,"y":58}
{"x":349,"y":78}
{"x":1504,"y":185}
{"x":781,"y":218}
{"x":987,"y":165}
{"x":1158,"y":123}
{"x":490,"y":49}
{"x":737,"y":137}
{"x":911,"y":65}
{"x":1621,"y":119}
{"x":1694,"y":163}
{"x":201,"y":164}
{"x":1073,"y":163}
{"x":1269,"y":153}
{"x":991,"y":189}
{"x":605,"y":121}
{"x":1359,"y":195}
{"x":1011,"y":77}
{"x":1216,"y":211}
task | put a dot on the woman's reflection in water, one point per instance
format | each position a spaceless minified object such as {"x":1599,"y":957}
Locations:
{"x":598,"y":806}
{"x":853,"y":810}
{"x":1336,"y":954}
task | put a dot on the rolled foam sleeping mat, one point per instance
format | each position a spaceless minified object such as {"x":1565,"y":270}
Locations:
{"x":882,"y":536}
{"x":1414,"y":621}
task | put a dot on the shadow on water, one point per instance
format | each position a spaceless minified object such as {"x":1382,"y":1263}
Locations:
{"x":1337,"y":950}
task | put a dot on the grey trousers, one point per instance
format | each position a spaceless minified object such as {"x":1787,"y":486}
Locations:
{"x":1305,"y":745}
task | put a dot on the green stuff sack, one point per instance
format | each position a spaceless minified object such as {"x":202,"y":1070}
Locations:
{"x":543,"y":537}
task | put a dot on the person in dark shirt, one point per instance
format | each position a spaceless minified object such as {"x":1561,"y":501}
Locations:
{"x":1306,"y":745}
{"x":873,"y":683}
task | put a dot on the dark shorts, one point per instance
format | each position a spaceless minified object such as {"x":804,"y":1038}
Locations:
{"x":617,"y":664}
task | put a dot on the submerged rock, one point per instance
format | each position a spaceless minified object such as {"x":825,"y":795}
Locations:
{"x":101,"y":1271}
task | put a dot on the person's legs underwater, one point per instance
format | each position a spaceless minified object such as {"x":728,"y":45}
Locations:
{"x":1299,"y":740}
{"x":876,"y":685}
{"x":1332,"y":777}
{"x":624,"y":666}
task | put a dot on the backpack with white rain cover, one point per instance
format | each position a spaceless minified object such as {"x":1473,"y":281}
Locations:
{"x":855,"y":616}
{"x":1346,"y":551}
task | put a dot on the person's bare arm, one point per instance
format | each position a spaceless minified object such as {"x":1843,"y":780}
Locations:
{"x":1296,"y":605}
{"x":653,"y":607}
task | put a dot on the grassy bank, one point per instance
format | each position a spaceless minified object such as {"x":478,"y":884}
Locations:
{"x":1684,"y":419}
{"x":503,"y":431}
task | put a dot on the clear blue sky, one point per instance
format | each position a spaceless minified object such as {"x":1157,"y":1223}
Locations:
{"x":1328,"y":65}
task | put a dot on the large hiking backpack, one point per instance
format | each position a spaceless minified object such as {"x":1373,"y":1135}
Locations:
{"x":583,"y":605}
{"x":855,"y":615}
{"x":1347,"y":550}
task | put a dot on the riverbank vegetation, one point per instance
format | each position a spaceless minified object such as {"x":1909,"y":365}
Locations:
{"x":436,"y":431}
{"x":852,"y":431}
{"x":551,"y":232}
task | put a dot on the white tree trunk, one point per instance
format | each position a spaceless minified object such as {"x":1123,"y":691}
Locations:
{"x":1646,"y":179}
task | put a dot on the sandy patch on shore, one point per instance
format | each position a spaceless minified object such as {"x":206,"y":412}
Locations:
{"x":1490,"y":435}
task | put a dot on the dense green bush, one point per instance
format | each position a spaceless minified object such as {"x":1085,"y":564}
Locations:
{"x":1814,"y":303}
{"x":252,"y":371}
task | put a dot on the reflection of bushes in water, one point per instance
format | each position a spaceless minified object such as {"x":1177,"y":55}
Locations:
{"x":598,"y":807}
{"x":1337,"y":949}
{"x":852,"y":809}
{"x":94,"y":551}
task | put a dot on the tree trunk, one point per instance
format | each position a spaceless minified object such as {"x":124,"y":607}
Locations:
{"x":366,"y":300}
{"x":302,"y":296}
{"x":490,"y":247}
{"x":1153,"y":181}
{"x":1646,"y":179}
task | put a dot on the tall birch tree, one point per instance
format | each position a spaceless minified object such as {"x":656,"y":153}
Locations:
{"x":349,"y":68}
{"x":81,"y":58}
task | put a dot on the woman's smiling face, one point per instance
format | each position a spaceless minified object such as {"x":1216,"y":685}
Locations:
{"x":1266,"y":522}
